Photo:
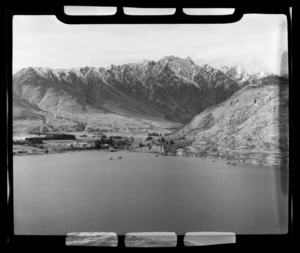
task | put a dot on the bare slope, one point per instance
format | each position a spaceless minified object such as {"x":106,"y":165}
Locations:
{"x":252,"y":125}
{"x":22,"y":109}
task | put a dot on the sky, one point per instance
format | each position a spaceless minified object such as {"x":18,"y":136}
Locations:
{"x":256,"y":42}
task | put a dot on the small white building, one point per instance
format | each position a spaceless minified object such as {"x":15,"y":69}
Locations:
{"x":82,"y":144}
{"x":180,"y":152}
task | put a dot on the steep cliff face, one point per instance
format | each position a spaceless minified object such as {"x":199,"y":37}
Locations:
{"x":251,"y":125}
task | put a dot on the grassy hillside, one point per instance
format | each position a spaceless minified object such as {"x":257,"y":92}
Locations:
{"x":252,"y":125}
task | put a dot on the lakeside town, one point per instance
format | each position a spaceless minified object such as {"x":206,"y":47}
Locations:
{"x":157,"y":143}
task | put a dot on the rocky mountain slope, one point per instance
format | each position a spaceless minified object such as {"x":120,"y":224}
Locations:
{"x":252,"y":125}
{"x":22,"y":109}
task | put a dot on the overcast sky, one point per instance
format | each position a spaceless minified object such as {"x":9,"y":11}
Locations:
{"x":257,"y":42}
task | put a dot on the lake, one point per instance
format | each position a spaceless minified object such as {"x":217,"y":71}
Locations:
{"x":85,"y":191}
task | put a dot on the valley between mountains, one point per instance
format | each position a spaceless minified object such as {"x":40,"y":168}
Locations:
{"x":172,"y":106}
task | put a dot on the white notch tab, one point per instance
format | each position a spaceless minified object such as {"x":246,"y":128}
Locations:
{"x":101,"y":239}
{"x":90,"y":10}
{"x":208,"y":11}
{"x":151,"y":239}
{"x":208,"y":238}
{"x":149,"y":11}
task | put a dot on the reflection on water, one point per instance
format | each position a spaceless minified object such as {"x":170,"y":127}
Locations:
{"x":85,"y":191}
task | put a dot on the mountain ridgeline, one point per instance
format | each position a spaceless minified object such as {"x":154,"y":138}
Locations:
{"x":171,"y":89}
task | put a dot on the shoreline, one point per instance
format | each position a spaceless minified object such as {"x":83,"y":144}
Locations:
{"x":62,"y":146}
{"x":231,"y":162}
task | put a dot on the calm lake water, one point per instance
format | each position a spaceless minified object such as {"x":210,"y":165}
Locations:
{"x":85,"y":191}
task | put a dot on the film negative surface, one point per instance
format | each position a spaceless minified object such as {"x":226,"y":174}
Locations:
{"x":155,"y":127}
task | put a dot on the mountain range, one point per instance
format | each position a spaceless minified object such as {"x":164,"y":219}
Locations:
{"x":227,"y":108}
{"x":171,"y":89}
